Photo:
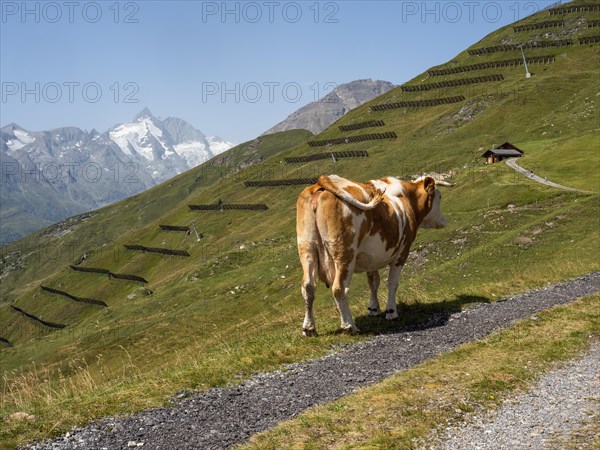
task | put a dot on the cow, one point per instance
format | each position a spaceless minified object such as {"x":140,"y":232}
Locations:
{"x":345,"y":227}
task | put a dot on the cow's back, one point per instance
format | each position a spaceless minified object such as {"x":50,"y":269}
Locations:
{"x":363,"y":240}
{"x":332,"y":232}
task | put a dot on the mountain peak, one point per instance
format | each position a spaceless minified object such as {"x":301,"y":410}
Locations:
{"x":320,"y":114}
{"x":142,"y":114}
{"x":11,"y":127}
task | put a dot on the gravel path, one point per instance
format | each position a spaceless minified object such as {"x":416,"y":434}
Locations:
{"x":560,"y":403}
{"x":222,"y":417}
{"x":512,"y":163}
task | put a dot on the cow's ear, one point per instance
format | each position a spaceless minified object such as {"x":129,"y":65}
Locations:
{"x":429,"y":185}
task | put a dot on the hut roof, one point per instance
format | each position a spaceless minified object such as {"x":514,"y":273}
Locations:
{"x":503,"y":152}
{"x":508,"y":145}
{"x":506,"y":150}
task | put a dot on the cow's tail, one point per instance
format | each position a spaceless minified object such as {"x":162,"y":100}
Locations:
{"x":325,"y":266}
{"x":332,"y":184}
{"x":313,"y":253}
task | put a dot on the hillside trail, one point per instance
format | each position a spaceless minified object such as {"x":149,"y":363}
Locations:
{"x":560,"y":410}
{"x":512,"y":163}
{"x":229,"y":415}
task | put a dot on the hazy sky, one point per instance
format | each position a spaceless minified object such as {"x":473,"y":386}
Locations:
{"x":232,"y":69}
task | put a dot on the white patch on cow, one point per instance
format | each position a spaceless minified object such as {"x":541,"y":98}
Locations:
{"x":341,"y":182}
{"x":435,"y":218}
{"x":398,"y":207}
{"x":402,"y":219}
{"x":392,"y":187}
{"x":379,"y":185}
{"x":347,"y":212}
{"x":373,"y":254}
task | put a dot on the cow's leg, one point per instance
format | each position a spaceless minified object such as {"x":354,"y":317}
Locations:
{"x":340,"y":289}
{"x":373,"y":278}
{"x":309,"y":265}
{"x":391,"y":312}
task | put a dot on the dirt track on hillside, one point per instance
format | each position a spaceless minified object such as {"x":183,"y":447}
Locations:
{"x":225,"y":416}
{"x":512,"y":163}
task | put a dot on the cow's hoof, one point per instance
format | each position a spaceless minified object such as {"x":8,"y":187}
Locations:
{"x":374,"y":312}
{"x":311,"y":332}
{"x":391,"y":314}
{"x":350,"y":330}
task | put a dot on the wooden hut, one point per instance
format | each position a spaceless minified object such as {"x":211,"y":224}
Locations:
{"x":506,"y":150}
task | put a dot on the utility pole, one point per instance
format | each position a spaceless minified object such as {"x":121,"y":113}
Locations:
{"x":527,"y":73}
{"x":196,"y":231}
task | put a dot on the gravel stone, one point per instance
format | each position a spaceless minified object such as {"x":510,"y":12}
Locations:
{"x":558,"y":404}
{"x":222,"y":417}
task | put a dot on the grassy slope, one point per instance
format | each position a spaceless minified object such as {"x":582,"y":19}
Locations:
{"x":234,"y":308}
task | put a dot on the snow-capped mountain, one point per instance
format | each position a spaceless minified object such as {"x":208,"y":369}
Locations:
{"x":171,"y":145}
{"x":20,"y":138}
{"x":51,"y":175}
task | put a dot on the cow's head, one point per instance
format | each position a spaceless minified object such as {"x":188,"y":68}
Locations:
{"x":431,"y":198}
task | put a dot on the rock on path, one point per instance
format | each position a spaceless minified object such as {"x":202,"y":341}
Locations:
{"x":222,"y":417}
{"x":558,"y":404}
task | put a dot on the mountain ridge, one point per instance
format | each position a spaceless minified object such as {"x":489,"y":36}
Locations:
{"x":91,"y":169}
{"x":320,"y":114}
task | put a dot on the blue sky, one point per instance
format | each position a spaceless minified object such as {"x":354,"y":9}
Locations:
{"x":232,"y":69}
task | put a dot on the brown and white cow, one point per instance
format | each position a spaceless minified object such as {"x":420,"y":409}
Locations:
{"x":345,"y":227}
